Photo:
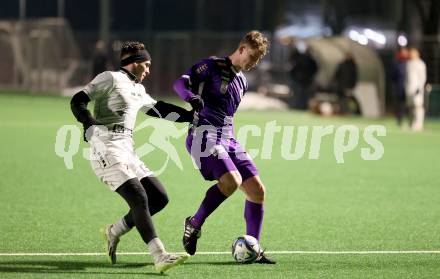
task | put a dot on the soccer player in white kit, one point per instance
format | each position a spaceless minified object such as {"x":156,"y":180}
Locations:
{"x":415,"y":88}
{"x":118,"y":96}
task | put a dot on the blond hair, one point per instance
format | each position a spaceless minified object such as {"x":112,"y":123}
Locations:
{"x":256,"y":40}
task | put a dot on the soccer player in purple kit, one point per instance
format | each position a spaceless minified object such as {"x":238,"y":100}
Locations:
{"x":214,"y":87}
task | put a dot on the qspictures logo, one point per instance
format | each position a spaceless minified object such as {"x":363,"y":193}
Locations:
{"x":289,"y":142}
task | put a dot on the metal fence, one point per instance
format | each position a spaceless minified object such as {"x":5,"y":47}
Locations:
{"x":44,"y":55}
{"x":37,"y":55}
{"x":174,"y":52}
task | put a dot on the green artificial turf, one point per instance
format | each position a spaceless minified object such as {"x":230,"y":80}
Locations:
{"x":390,"y":204}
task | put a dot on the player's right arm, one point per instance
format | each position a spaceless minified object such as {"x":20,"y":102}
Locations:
{"x":95,"y":89}
{"x":188,"y":84}
{"x":78,"y":105}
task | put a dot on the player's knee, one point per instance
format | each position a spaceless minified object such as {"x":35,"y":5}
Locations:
{"x":229,"y":183}
{"x":134,"y":194}
{"x":255,"y":191}
{"x":228,"y":188}
{"x":237,"y":181}
{"x":163,"y":201}
{"x":260,"y":193}
{"x":141,"y":203}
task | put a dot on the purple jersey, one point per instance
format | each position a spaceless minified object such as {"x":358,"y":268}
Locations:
{"x":213,"y":147}
{"x":221,"y":88}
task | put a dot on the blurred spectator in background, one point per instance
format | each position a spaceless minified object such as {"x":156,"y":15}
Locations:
{"x":303,"y":71}
{"x":415,"y":88}
{"x":100,"y":59}
{"x":345,"y":80}
{"x":399,"y":78}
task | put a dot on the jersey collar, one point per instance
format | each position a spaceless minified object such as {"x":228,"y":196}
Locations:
{"x":229,"y":63}
{"x":130,"y":75}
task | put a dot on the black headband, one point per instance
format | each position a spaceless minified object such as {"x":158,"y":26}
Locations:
{"x":139,"y":56}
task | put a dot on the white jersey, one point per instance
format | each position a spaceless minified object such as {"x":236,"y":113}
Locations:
{"x":415,"y":79}
{"x":415,"y":91}
{"x":118,"y":99}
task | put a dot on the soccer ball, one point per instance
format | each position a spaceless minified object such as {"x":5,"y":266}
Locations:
{"x":246,"y":249}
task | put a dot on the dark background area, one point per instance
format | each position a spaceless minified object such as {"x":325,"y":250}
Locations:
{"x":180,"y":32}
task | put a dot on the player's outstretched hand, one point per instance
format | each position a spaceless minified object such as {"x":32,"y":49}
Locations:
{"x":196,"y":103}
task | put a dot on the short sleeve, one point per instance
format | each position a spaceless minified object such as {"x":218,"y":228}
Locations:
{"x":100,"y":85}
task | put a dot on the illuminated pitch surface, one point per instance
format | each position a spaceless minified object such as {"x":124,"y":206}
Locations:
{"x":312,"y":205}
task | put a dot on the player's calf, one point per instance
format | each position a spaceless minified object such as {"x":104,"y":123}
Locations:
{"x":229,"y":182}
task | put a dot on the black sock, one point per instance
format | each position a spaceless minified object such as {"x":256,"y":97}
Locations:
{"x":134,"y":194}
{"x":157,"y":198}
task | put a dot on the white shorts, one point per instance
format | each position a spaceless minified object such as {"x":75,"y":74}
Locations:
{"x":117,"y":163}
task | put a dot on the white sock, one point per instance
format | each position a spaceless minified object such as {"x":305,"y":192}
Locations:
{"x":156,"y":248}
{"x":119,"y":228}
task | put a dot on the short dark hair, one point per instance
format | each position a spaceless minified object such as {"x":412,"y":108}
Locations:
{"x":131,"y":48}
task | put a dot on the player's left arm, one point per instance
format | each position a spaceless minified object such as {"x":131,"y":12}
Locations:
{"x":170,"y":112}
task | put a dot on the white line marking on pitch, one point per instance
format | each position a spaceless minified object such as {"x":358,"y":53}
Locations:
{"x":227,"y":253}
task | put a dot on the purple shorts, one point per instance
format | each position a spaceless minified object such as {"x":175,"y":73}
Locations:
{"x":223,"y":156}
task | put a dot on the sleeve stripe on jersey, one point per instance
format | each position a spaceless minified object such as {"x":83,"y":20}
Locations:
{"x":240,"y":79}
{"x":188,"y":78}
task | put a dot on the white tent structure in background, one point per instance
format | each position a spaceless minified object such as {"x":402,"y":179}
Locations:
{"x":330,"y":52}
